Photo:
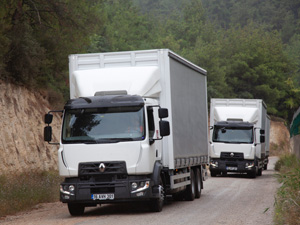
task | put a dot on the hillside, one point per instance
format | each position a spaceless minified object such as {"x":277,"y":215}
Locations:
{"x":21,"y":142}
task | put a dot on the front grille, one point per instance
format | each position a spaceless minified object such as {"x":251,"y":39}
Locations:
{"x":100,"y":190}
{"x":92,"y":168}
{"x":232,"y":155}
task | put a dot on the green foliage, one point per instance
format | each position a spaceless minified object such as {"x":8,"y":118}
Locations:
{"x":287,"y":205}
{"x":257,"y":66}
{"x":38,"y":36}
{"x":23,"y":191}
{"x":125,"y":28}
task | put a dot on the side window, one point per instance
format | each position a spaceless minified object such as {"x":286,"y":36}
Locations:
{"x":151,"y":122}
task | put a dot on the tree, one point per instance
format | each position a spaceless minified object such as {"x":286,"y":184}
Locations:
{"x":125,"y":28}
{"x":40,"y":34}
{"x":257,"y":66}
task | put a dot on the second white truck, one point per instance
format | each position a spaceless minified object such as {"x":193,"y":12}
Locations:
{"x":135,"y":129}
{"x":239,"y":136}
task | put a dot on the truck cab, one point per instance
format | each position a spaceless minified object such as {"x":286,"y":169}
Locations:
{"x":125,"y":132}
{"x":225,"y":139}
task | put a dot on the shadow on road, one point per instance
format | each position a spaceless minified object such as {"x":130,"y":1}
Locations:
{"x":122,"y":209}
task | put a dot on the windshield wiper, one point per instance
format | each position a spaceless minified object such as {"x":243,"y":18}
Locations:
{"x":90,"y":142}
{"x":104,"y":140}
{"x":112,"y":140}
{"x":233,"y":142}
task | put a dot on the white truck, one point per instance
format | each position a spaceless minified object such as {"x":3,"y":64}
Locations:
{"x":239,"y":136}
{"x":116,"y":144}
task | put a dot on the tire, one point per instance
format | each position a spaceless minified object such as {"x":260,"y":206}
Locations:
{"x":190,"y":189}
{"x":259,"y":172}
{"x":265,"y":166}
{"x":252,"y":174}
{"x":198,"y":183}
{"x":76,"y":209}
{"x":213,"y":174}
{"x":158,"y":203}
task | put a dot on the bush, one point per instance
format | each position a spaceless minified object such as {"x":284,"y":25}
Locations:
{"x":287,"y":209}
{"x":21,"y":192}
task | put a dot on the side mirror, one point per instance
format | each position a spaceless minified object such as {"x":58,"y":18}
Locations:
{"x":164,"y":127}
{"x":163,"y":113}
{"x":48,"y":118}
{"x":262,"y":131}
{"x":262,"y":139}
{"x":48,"y":133}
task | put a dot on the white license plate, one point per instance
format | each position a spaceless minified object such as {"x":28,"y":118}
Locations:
{"x":231,"y":168}
{"x":103,"y":196}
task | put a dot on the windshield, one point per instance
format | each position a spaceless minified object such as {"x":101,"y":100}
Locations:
{"x":233,"y":134}
{"x":103,"y":125}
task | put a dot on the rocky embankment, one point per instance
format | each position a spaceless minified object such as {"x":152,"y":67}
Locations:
{"x":21,"y":132}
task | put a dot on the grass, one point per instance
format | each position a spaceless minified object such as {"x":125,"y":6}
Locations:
{"x":287,"y":205}
{"x":22,"y":192}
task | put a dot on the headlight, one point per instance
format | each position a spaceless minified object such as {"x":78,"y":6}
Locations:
{"x":71,"y":188}
{"x":249,"y":165}
{"x":214,"y":164}
{"x":134,"y":186}
{"x":140,"y":186}
{"x":67,"y":189}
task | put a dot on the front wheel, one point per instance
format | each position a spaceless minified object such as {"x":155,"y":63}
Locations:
{"x":213,"y":173}
{"x":252,"y":174}
{"x":265,"y":166}
{"x":76,"y":209}
{"x":158,"y":203}
{"x":259,"y":172}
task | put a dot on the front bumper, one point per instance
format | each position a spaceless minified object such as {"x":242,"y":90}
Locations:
{"x":243,"y":166}
{"x":123,"y":189}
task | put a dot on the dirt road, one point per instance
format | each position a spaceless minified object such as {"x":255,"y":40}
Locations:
{"x":234,"y":200}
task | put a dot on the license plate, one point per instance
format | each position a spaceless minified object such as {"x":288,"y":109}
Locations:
{"x":103,"y":196}
{"x":231,"y":168}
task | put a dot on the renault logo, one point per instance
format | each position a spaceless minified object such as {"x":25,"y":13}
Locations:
{"x":231,"y":154}
{"x":101,"y":167}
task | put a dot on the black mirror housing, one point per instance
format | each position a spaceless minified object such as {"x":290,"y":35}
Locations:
{"x":48,"y":118}
{"x":262,"y":131}
{"x":164,"y":127}
{"x":48,"y":133}
{"x":262,"y":139}
{"x":163,"y":113}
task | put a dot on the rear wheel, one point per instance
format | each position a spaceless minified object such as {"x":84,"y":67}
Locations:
{"x":190,"y":189}
{"x":76,"y":209}
{"x":198,"y":183}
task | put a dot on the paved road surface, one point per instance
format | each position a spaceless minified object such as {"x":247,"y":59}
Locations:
{"x":234,"y":200}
